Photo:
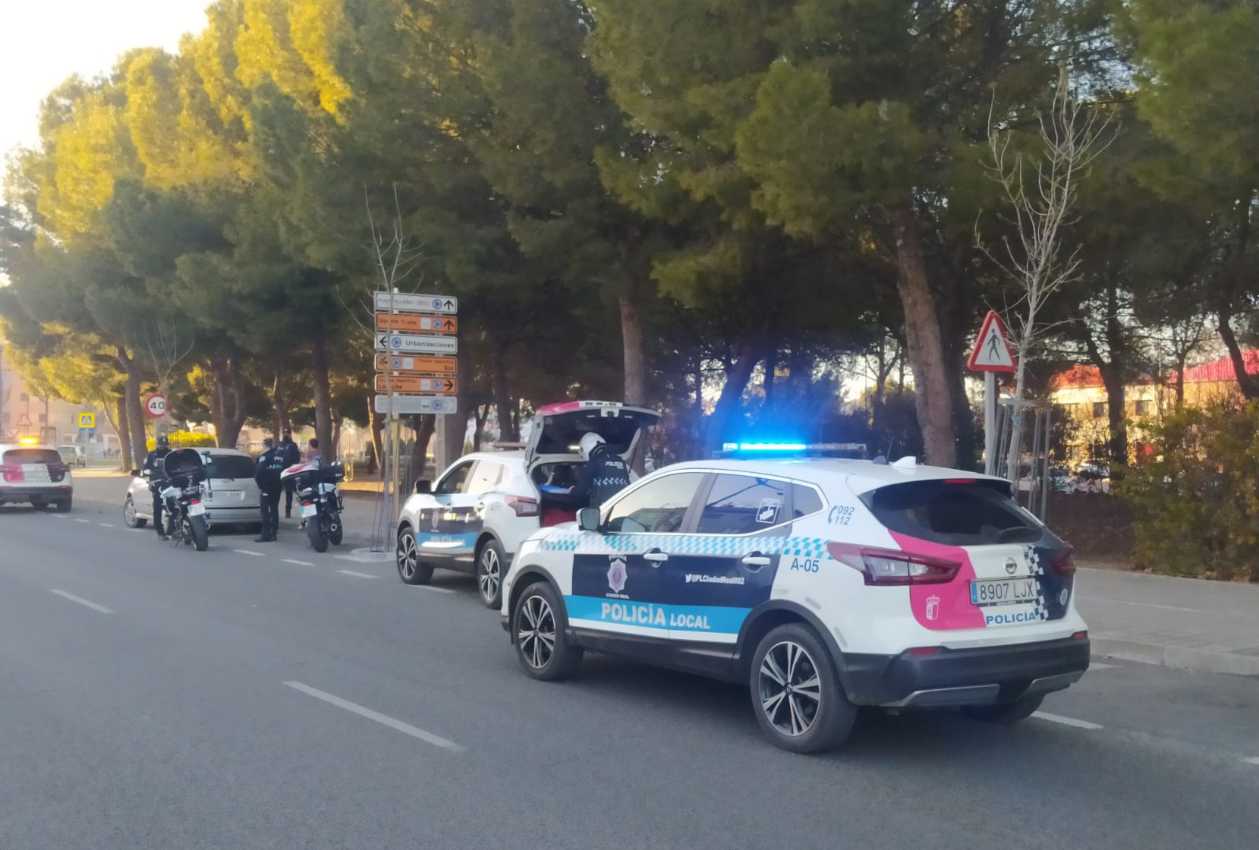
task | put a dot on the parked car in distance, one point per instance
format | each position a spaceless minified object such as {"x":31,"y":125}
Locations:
{"x":481,"y":508}
{"x":72,"y":455}
{"x":36,"y":475}
{"x":230,"y":494}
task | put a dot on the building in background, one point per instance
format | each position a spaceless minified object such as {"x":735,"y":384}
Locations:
{"x":53,"y":421}
{"x":1080,"y":400}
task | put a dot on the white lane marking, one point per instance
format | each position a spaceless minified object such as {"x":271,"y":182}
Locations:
{"x":295,"y":561}
{"x":429,"y":587}
{"x":105,"y":524}
{"x":1097,"y":665}
{"x":1149,"y":605}
{"x":59,"y":516}
{"x":1067,"y":721}
{"x":80,"y":600}
{"x":248,"y":552}
{"x":84,"y":521}
{"x":383,"y":719}
{"x":359,"y":575}
{"x":1252,"y":760}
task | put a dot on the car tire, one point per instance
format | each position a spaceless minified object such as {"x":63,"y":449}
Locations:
{"x":796,"y":694}
{"x":39,"y":504}
{"x":407,"y":555}
{"x":129,"y":517}
{"x":64,"y":505}
{"x":537,"y":633}
{"x":490,"y":561}
{"x":1006,"y":712}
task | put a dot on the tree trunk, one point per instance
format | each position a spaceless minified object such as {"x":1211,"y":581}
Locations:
{"x":503,"y":404}
{"x":323,"y":394}
{"x":482,"y":413}
{"x":1246,"y":382}
{"x":376,"y":423}
{"x":227,"y":407}
{"x":280,"y":403}
{"x":728,"y":404}
{"x":932,"y":399}
{"x":424,"y":430}
{"x":767,"y":383}
{"x":1116,"y":401}
{"x":632,"y":346}
{"x":336,"y":439}
{"x":123,"y":428}
{"x":135,"y":413}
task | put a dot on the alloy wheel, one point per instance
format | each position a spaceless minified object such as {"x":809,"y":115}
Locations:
{"x":536,"y":632}
{"x":129,"y":513}
{"x":408,"y":556}
{"x":790,"y":688}
{"x":490,"y":574}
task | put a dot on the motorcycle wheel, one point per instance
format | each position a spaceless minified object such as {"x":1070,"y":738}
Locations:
{"x":315,"y":534}
{"x":200,"y":532}
{"x":336,"y":531}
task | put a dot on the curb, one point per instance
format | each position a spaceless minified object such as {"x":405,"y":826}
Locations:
{"x":1178,"y":657}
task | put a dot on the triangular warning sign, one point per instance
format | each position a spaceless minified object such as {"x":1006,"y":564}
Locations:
{"x":992,"y":347}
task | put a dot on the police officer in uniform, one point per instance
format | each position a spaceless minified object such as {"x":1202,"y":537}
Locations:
{"x":602,"y":476}
{"x":292,"y":455}
{"x":154,"y":465}
{"x":267,"y":475}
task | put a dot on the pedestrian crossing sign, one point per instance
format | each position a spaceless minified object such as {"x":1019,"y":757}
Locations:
{"x":992,"y":352}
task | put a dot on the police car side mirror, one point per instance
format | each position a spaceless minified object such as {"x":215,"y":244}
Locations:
{"x":588,"y":519}
{"x":423,"y":487}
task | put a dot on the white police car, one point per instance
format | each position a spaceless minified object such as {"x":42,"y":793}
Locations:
{"x":824,"y":584}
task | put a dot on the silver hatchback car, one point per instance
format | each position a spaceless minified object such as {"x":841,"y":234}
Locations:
{"x":231,"y":496}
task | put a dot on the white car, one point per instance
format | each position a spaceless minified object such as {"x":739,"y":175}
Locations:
{"x":482,"y":507}
{"x":822,"y":584}
{"x":230,"y":494}
{"x":35,"y":474}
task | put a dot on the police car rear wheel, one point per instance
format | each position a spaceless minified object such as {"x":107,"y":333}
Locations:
{"x":410,"y":568}
{"x":796,"y":695}
{"x":489,"y":574}
{"x":537,"y":631}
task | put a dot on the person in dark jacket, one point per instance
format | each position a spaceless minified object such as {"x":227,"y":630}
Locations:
{"x":602,"y":476}
{"x":156,"y":468}
{"x":267,"y":475}
{"x":292,"y":455}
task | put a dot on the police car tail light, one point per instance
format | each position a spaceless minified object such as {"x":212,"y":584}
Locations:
{"x":12,"y":473}
{"x":1063,"y":563}
{"x":893,"y":567}
{"x":523,"y":506}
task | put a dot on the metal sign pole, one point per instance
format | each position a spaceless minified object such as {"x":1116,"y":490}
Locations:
{"x":990,"y":423}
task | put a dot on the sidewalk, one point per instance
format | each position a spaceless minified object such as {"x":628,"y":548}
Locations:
{"x":1186,"y":623}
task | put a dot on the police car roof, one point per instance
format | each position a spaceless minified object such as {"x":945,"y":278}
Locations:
{"x":862,"y":475}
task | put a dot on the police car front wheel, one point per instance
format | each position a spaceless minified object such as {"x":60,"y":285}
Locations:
{"x":410,"y":568}
{"x":796,"y":694}
{"x":537,"y":625}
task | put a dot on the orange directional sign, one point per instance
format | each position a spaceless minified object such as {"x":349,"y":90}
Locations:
{"x":415,"y":384}
{"x":412,"y":363}
{"x":416,"y":323}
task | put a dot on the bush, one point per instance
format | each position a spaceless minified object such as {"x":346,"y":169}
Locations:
{"x":1196,"y":506}
{"x":185,"y":440}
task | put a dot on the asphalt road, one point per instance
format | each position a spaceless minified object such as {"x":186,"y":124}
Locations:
{"x":153,"y":697}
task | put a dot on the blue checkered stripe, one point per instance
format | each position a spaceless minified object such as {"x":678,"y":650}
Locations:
{"x":714,"y":545}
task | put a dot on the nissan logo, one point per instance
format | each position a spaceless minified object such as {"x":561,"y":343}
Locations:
{"x":1010,"y":566}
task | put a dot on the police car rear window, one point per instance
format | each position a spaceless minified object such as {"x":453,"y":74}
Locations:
{"x":967,"y":512}
{"x":804,"y":501}
{"x":229,"y":466}
{"x":742,"y":504}
{"x":19,"y":456}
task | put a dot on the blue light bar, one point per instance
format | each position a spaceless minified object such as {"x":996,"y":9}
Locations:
{"x":764,"y":447}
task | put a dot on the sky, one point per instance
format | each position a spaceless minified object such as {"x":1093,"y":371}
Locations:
{"x":44,"y":41}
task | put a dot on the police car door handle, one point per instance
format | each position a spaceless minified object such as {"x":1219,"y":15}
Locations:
{"x":655,"y":557}
{"x":755,"y":560}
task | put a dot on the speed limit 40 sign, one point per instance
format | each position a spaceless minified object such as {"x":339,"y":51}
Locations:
{"x":155,"y":405}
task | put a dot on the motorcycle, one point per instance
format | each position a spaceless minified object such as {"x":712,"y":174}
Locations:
{"x":321,"y":505}
{"x":180,"y":492}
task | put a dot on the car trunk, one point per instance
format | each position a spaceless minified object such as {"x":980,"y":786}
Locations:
{"x":552,"y":454}
{"x":1012,"y":570}
{"x":32,"y":467}
{"x":228,"y":477}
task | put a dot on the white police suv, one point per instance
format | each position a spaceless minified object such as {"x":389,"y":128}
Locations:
{"x":824,"y":584}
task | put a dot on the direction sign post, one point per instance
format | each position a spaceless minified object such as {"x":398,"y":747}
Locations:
{"x":396,"y":343}
{"x":412,"y":383}
{"x":991,"y":354}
